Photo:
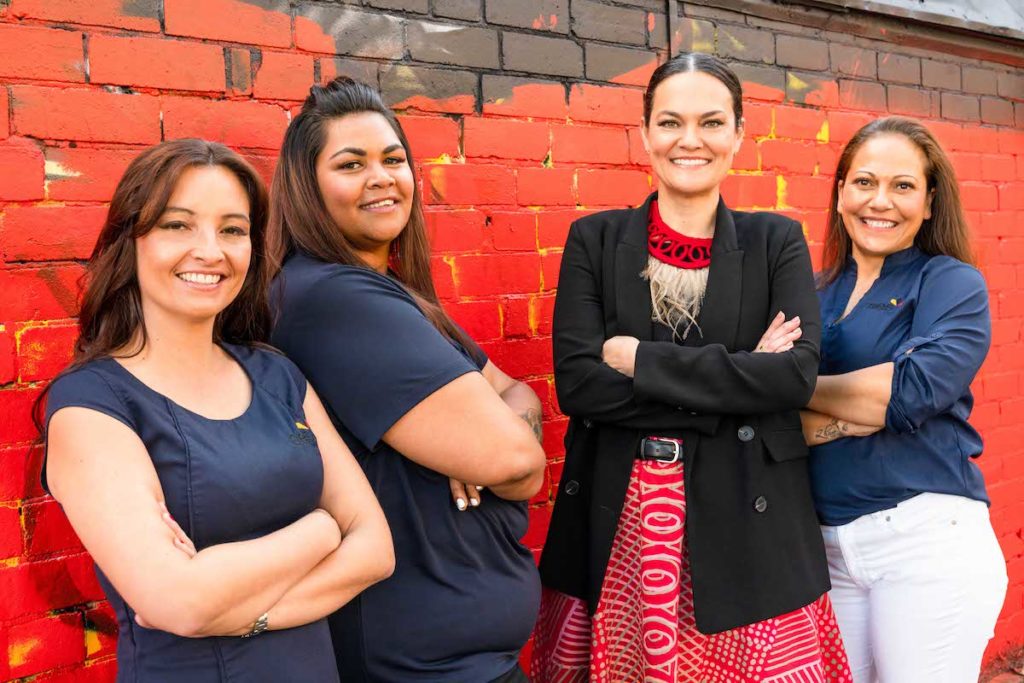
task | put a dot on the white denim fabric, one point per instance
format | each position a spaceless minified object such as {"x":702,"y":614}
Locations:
{"x":917,"y":589}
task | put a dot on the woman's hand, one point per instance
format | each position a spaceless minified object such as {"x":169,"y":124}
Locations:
{"x":181,"y":541}
{"x":464,"y":495}
{"x":780,"y":335}
{"x":619,"y":353}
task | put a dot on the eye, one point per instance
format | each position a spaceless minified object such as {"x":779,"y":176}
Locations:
{"x":862,"y":182}
{"x":350,"y":166}
{"x":395,"y":161}
{"x":174,"y":225}
{"x":235,"y":231}
{"x":905,"y":186}
{"x":668,"y":123}
{"x":714,"y":123}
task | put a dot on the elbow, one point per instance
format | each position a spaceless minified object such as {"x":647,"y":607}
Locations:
{"x":384,"y":567}
{"x":523,"y":471}
{"x":184,"y":616}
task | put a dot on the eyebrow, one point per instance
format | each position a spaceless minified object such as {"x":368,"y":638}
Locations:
{"x":703,"y":116}
{"x":193,"y":213}
{"x":362,"y":152}
{"x":898,"y":175}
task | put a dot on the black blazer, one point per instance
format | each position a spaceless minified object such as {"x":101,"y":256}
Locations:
{"x":753,"y":538}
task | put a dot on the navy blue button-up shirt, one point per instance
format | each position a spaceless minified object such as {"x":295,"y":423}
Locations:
{"x":929,"y":316}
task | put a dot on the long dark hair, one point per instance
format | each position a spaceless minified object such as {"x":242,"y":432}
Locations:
{"x":111,"y":317}
{"x":696,"y":62}
{"x":299,"y":219}
{"x":945,"y":233}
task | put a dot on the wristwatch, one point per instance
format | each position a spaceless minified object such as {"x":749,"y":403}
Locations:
{"x":258,"y":627}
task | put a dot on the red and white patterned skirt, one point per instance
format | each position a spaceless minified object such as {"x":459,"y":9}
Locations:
{"x":643,"y":630}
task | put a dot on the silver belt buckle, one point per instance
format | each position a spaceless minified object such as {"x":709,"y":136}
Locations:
{"x":677,"y":449}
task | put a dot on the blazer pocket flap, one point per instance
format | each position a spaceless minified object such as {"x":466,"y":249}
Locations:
{"x":785,"y":444}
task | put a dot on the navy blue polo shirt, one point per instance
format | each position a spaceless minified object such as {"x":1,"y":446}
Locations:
{"x":465,"y":592}
{"x":929,"y":316}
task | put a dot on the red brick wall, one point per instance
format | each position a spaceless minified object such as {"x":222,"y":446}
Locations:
{"x":523,"y":116}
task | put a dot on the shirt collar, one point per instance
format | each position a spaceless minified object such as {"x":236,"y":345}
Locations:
{"x":892,"y":262}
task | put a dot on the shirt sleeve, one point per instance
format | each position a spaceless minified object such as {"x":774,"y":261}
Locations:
{"x":949,"y":339}
{"x":369,"y":351}
{"x":84,"y":388}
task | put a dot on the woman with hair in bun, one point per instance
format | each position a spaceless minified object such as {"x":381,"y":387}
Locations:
{"x":684,"y":546}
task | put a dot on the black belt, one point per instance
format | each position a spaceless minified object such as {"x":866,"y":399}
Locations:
{"x":661,"y":448}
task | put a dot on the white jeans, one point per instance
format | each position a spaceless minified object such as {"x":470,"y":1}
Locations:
{"x":917,"y":589}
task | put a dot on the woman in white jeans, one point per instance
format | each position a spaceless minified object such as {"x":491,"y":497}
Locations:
{"x":918,"y":577}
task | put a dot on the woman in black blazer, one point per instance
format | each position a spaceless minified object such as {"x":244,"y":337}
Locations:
{"x":684,"y":544}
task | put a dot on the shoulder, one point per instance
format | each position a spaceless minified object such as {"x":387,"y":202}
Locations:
{"x":766,"y":224}
{"x":95,"y":385}
{"x":308,"y":282}
{"x":598,"y":227}
{"x":956,"y":277}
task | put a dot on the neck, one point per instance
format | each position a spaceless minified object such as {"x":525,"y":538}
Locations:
{"x":175,"y":346}
{"x":377,"y":259}
{"x":868,"y":265}
{"x":690,"y":216}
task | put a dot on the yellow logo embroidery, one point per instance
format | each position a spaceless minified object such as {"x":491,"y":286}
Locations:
{"x":301,"y":426}
{"x":894,"y":302}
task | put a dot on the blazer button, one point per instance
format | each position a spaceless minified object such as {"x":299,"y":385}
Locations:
{"x":760,"y":504}
{"x":587,"y":423}
{"x":745,"y":433}
{"x":572,"y":487}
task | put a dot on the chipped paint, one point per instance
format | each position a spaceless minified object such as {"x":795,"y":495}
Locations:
{"x":796,"y":83}
{"x":701,"y":43}
{"x":780,"y":193}
{"x":533,"y":315}
{"x":736,"y":44}
{"x":450,"y":260}
{"x":822,"y":135}
{"x":57,"y":171}
{"x":18,"y":653}
{"x":92,"y":641}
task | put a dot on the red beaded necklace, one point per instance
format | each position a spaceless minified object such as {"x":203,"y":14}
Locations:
{"x":673,"y":248}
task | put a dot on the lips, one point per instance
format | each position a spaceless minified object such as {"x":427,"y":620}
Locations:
{"x":378,"y":204}
{"x":201,"y":278}
{"x":879,"y":223}
{"x":691,"y":162}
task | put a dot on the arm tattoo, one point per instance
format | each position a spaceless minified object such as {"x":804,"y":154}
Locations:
{"x":532,"y":417}
{"x":832,"y":431}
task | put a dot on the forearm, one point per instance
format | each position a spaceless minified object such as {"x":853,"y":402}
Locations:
{"x":861,"y":396}
{"x":362,"y":559}
{"x":232,"y":584}
{"x":524,"y":403}
{"x":820,"y":428}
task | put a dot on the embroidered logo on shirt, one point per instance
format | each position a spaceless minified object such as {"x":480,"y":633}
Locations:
{"x":889,"y":305}
{"x":303,"y":435}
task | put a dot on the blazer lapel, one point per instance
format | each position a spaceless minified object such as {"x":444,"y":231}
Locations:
{"x":632,"y":292}
{"x":720,"y":314}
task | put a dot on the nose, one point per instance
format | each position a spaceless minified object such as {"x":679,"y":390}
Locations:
{"x":206,"y":246}
{"x":690,"y":139}
{"x":380,"y":176}
{"x":880,"y":200}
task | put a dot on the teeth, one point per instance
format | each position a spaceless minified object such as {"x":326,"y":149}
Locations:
{"x":381,"y":203}
{"x":690,"y":162}
{"x":880,"y":225}
{"x":201,"y":278}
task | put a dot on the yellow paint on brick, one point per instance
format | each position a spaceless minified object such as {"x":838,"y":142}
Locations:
{"x":445,"y":158}
{"x":450,"y":260}
{"x":795,"y":83}
{"x":736,"y":44}
{"x":533,"y":315}
{"x":92,"y":642}
{"x":822,"y":135}
{"x":780,"y":193}
{"x":18,"y":653}
{"x":701,"y":43}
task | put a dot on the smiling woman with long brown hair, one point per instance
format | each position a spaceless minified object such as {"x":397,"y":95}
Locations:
{"x":198,"y":469}
{"x":416,"y":400}
{"x":918,"y":577}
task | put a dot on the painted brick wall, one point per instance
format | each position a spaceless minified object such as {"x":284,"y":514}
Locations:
{"x":523,"y":116}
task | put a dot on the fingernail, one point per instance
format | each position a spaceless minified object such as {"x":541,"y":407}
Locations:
{"x":474,"y":501}
{"x":460,"y":503}
{"x":479,"y":488}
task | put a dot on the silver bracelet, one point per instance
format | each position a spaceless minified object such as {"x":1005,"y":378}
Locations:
{"x":258,"y":627}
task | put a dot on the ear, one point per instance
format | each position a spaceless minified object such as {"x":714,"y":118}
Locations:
{"x":740,"y":130}
{"x":643,"y":137}
{"x":928,"y":204}
{"x":839,"y":196}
